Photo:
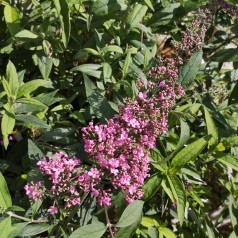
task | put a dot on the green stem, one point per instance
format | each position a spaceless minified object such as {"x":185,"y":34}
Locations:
{"x":11,"y":214}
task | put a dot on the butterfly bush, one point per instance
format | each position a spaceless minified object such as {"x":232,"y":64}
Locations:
{"x":118,"y":150}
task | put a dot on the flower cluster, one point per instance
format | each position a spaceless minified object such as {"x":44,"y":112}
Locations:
{"x":61,"y":170}
{"x":193,"y":37}
{"x":227,"y":7}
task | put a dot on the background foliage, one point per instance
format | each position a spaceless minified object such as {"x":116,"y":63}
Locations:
{"x":65,"y":63}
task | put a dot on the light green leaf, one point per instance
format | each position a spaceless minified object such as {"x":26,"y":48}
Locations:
{"x":107,"y":73}
{"x":89,"y":69}
{"x":228,"y":160}
{"x":91,"y":230}
{"x":45,"y":65}
{"x":6,"y":87}
{"x":149,"y":4}
{"x":126,"y":64}
{"x":151,"y":186}
{"x":63,"y":13}
{"x":12,"y":19}
{"x":136,"y":15}
{"x":5,"y":197}
{"x":166,"y":232}
{"x":5,"y":227}
{"x":12,"y":78}
{"x":188,"y":72}
{"x":112,"y":48}
{"x":211,"y":129}
{"x":179,"y":195}
{"x":131,"y":214}
{"x":184,"y":134}
{"x":189,"y":153}
{"x":16,"y":229}
{"x":32,"y":85}
{"x":25,"y":34}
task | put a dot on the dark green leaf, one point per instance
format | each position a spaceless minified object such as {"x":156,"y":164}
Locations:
{"x":226,"y":55}
{"x":151,"y":186}
{"x":63,"y":13}
{"x":189,"y":153}
{"x":188,"y":72}
{"x":34,"y":229}
{"x":32,"y":121}
{"x":179,"y":195}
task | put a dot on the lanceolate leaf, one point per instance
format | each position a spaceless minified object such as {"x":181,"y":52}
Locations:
{"x":179,"y":195}
{"x":188,"y":72}
{"x":211,"y":129}
{"x":228,"y":160}
{"x":131,"y":214}
{"x":34,"y":229}
{"x":32,"y":85}
{"x":12,"y":78}
{"x":5,"y":197}
{"x":151,"y":186}
{"x":32,"y":121}
{"x":63,"y":12}
{"x":92,"y":231}
{"x":136,"y":15}
{"x":189,"y":153}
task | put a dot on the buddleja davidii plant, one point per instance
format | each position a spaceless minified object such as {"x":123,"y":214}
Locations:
{"x":17,"y":101}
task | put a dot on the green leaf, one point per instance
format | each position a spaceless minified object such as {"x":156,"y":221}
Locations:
{"x":25,"y":34}
{"x":126,"y":64}
{"x":189,"y":153}
{"x":16,"y":229}
{"x":211,"y":129}
{"x":105,"y":7}
{"x":107,"y":73}
{"x":5,"y":227}
{"x":136,"y":15}
{"x":151,"y":186}
{"x":228,"y":160}
{"x":34,"y":229}
{"x":149,"y":4}
{"x":184,"y":134}
{"x":6,"y":87}
{"x":233,"y":212}
{"x":131,"y":214}
{"x":45,"y":65}
{"x":63,"y":13}
{"x":179,"y":195}
{"x":32,"y":85}
{"x":34,"y":153}
{"x":99,"y":105}
{"x":233,"y":98}
{"x":32,"y":121}
{"x":89,"y":69}
{"x":12,"y":78}
{"x":166,"y":232}
{"x":188,"y":72}
{"x":112,"y":48}
{"x":163,"y":16}
{"x":12,"y":19}
{"x":226,"y":55}
{"x":16,"y":209}
{"x":5,"y":197}
{"x":127,"y":232}
{"x":91,"y":230}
